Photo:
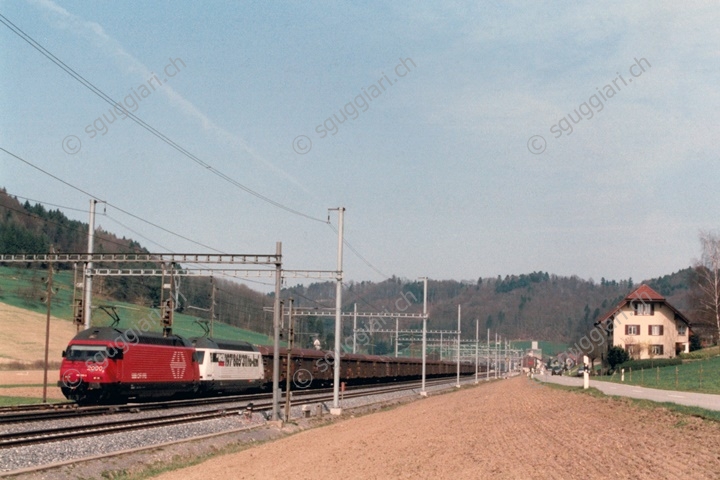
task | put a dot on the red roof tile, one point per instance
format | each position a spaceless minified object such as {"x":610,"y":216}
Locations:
{"x":643,"y":292}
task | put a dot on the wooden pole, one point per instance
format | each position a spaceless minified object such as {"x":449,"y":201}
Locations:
{"x":47,"y":327}
{"x":288,"y":375}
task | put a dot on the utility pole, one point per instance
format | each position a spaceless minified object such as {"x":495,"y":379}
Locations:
{"x":276,"y":333}
{"x":458,"y":349}
{"x":397,"y":324}
{"x":336,"y":410}
{"x":477,"y":347}
{"x":496,"y":355}
{"x":49,"y":294}
{"x":212,"y":305}
{"x":78,"y":309}
{"x":424,"y":336}
{"x":288,"y":375}
{"x":87,"y":304}
{"x":354,"y":327}
{"x":487,"y":362}
{"x":441,"y":345}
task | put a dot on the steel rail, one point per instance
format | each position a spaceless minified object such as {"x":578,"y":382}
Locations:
{"x":32,"y":437}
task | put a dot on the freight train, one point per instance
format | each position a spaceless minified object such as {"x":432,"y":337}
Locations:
{"x":110,"y":365}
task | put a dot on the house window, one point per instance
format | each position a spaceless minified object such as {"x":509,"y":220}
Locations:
{"x":682,"y":330}
{"x":632,"y":329}
{"x":632,"y":350}
{"x":656,"y":349}
{"x":643,"y":308}
{"x":656,"y":330}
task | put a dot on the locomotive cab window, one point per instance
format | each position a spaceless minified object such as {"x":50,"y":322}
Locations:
{"x":86,"y":353}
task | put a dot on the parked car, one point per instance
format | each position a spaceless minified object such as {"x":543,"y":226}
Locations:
{"x":556,"y":371}
{"x":580,"y":372}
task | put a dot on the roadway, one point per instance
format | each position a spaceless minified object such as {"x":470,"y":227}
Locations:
{"x":702,"y":400}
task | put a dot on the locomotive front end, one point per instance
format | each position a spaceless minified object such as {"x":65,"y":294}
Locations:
{"x":87,"y":370}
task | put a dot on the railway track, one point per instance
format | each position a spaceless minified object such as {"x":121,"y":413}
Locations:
{"x":57,"y":411}
{"x":33,"y":407}
{"x":25,"y":413}
{"x":261,"y":404}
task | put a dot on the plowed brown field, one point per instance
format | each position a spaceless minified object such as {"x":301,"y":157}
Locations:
{"x":506,"y":429}
{"x":22,"y":335}
{"x":31,"y":378}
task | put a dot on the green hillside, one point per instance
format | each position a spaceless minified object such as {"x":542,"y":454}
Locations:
{"x":25,"y":289}
{"x":536,"y":305}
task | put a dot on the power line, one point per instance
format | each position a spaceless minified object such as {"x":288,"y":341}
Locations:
{"x":106,"y":98}
{"x":74,"y":187}
{"x":46,"y":203}
{"x":163,"y":228}
{"x":47,"y":220}
{"x":354,"y":250}
{"x":219,"y":273}
{"x":137,"y":233}
{"x":48,"y":173}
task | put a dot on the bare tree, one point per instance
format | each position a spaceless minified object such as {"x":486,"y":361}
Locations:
{"x":707,"y":278}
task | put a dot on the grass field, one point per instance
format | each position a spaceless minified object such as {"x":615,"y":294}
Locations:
{"x":647,"y":404}
{"x":22,"y":401}
{"x":701,"y":376}
{"x":24,"y":288}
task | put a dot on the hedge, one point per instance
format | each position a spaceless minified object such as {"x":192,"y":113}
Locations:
{"x":650,"y":363}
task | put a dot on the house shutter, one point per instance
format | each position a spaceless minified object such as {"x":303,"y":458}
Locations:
{"x":627,"y":329}
{"x":661,"y":329}
{"x":649,"y":329}
{"x":652,"y":309}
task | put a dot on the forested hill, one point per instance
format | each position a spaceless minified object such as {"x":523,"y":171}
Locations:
{"x":28,"y":228}
{"x":537,"y":305}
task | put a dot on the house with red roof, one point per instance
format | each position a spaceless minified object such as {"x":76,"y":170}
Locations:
{"x":647,"y":326}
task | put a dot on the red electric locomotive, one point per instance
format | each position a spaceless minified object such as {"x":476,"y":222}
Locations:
{"x":105,"y":365}
{"x":110,"y":365}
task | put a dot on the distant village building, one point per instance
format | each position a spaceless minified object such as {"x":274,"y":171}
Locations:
{"x":646,"y":326}
{"x":532,"y":360}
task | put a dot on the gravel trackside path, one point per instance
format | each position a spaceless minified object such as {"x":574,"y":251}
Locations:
{"x":505,"y":429}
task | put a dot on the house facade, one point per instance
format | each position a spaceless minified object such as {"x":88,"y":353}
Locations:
{"x":647,"y":326}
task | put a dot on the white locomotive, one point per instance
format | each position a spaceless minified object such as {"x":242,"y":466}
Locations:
{"x":228,"y":367}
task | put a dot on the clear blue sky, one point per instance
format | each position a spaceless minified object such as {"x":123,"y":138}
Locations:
{"x":433,"y":157}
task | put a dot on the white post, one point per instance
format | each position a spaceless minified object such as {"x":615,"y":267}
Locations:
{"x":336,"y":410}
{"x":458,"y":350}
{"x":586,"y":374}
{"x":87,"y":302}
{"x":477,"y":347}
{"x":424,"y":336}
{"x":276,"y":333}
{"x":397,"y":325}
{"x":487,"y":364}
{"x":354,"y":328}
{"x":496,"y":355}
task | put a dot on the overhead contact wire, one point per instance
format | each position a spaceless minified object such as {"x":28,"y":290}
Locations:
{"x":106,"y":98}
